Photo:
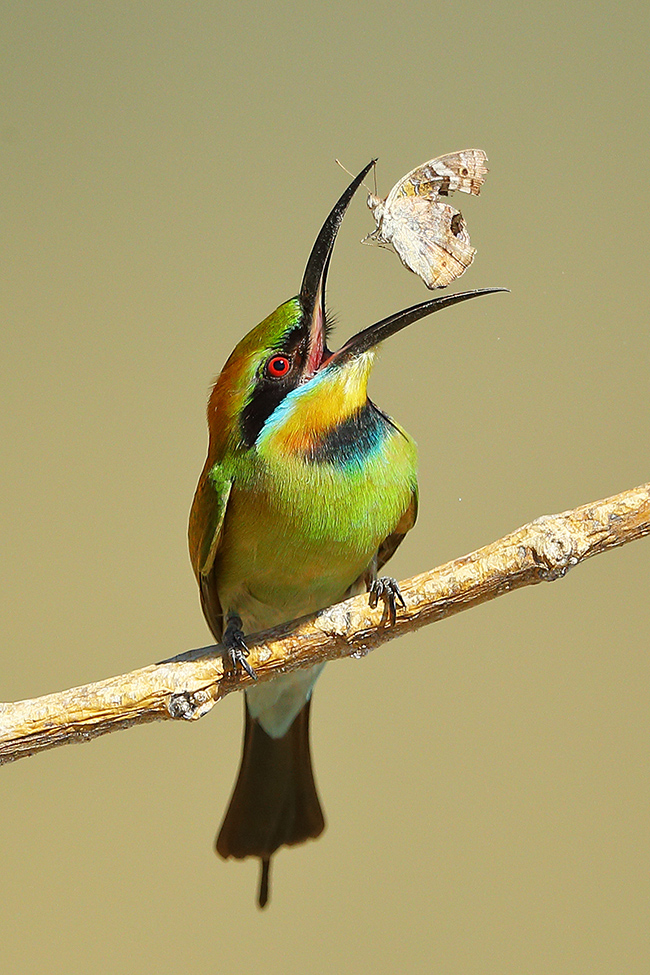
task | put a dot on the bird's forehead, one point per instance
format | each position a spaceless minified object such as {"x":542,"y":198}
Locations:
{"x":271,"y":332}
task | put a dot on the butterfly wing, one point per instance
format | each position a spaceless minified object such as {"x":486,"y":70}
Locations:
{"x":431,"y":239}
{"x":464,"y":171}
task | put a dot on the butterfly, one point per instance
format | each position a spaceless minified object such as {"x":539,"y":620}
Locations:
{"x":429,"y":236}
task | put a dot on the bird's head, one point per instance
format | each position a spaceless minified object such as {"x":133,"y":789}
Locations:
{"x":283,"y":377}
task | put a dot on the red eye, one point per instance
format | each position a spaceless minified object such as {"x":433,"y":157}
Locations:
{"x":278,"y":366}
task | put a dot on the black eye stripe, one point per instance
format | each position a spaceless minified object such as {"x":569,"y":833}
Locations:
{"x":271,"y":385}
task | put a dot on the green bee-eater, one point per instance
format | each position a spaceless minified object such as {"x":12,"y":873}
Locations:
{"x":307,"y":490}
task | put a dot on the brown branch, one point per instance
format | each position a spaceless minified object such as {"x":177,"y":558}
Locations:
{"x":189,"y":685}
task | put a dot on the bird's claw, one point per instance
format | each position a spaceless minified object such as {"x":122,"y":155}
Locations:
{"x":233,"y":640}
{"x":238,"y":657}
{"x":387,"y":589}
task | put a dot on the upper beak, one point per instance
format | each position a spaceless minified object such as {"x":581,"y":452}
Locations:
{"x":312,"y":290}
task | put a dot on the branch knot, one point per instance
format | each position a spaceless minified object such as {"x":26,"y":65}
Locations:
{"x":553,"y":550}
{"x":189,"y":706}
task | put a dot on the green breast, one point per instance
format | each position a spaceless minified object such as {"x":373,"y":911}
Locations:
{"x":300,"y":529}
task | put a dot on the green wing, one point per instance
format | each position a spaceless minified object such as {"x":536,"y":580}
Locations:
{"x":390,"y":544}
{"x":205,"y":532}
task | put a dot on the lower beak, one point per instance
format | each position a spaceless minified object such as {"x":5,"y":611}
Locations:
{"x":376,"y":333}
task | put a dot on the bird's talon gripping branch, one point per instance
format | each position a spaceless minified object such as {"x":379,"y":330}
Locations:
{"x":233,"y":640}
{"x":387,"y":589}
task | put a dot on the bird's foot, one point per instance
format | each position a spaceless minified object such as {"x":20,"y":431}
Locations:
{"x":387,"y":589}
{"x":235,"y":644}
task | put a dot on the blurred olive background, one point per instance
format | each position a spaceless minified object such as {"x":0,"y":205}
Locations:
{"x":165,"y":169}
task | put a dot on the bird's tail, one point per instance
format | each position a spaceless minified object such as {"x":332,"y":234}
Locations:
{"x":274,"y":802}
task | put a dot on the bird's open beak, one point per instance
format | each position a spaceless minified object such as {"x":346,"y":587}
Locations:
{"x":312,"y":296}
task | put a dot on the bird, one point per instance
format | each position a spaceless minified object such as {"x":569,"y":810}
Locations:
{"x":307,"y":490}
